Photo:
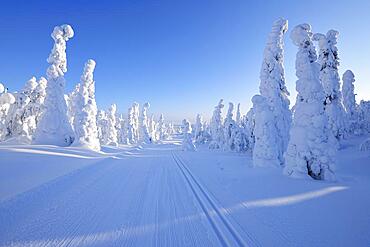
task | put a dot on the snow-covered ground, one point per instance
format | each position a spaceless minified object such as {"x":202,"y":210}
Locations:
{"x":157,"y":195}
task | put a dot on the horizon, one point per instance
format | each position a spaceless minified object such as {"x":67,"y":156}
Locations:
{"x":180,"y":59}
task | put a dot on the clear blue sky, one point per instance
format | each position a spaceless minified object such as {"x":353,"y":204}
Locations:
{"x":181,"y":56}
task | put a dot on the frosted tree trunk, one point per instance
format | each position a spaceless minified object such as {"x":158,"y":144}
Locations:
{"x":310,"y":150}
{"x":54,"y":127}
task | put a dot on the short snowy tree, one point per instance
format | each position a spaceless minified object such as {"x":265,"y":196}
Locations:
{"x":349,"y":101}
{"x":310,"y":150}
{"x":272,"y":85}
{"x":54,"y":127}
{"x":199,"y":130}
{"x":161,"y":129}
{"x":144,"y":133}
{"x":364,"y":116}
{"x":329,"y":77}
{"x":133,"y":123}
{"x":112,"y":138}
{"x":6,"y":101}
{"x":266,"y":150}
{"x":84,"y":121}
{"x":216,"y":127}
{"x":187,"y":142}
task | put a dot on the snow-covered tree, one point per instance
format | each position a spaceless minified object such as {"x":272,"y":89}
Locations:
{"x":310,"y":150}
{"x":266,"y":150}
{"x":216,"y":127}
{"x":71,"y":100}
{"x":364,"y":116}
{"x":272,"y":85}
{"x":199,"y":130}
{"x":112,"y":138}
{"x":102,"y":123}
{"x":230,"y":129}
{"x":238,"y":119}
{"x":122,"y":130}
{"x":84,"y":121}
{"x":36,"y":106}
{"x":349,"y":101}
{"x":329,"y":77}
{"x":144,"y":133}
{"x":187,"y":142}
{"x":6,"y":100}
{"x":161,"y":129}
{"x":54,"y":127}
{"x":249,"y":126}
{"x":132,"y":123}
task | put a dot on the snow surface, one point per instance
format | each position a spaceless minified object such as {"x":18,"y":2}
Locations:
{"x":157,"y":195}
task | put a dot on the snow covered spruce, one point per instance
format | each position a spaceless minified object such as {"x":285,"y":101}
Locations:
{"x":310,"y":150}
{"x":54,"y":127}
{"x":84,"y":121}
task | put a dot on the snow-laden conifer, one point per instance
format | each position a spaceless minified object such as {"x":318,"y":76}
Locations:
{"x":329,"y":77}
{"x":54,"y":127}
{"x":6,"y":101}
{"x":199,"y":130}
{"x":187,"y":142}
{"x":310,"y":150}
{"x":272,"y":85}
{"x":349,"y":101}
{"x":216,"y":127}
{"x":144,"y":133}
{"x":111,"y":138}
{"x":161,"y":129}
{"x":84,"y":121}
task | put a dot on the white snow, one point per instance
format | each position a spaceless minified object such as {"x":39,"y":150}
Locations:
{"x":159,"y":195}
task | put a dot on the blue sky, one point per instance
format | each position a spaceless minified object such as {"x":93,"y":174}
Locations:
{"x":181,"y":56}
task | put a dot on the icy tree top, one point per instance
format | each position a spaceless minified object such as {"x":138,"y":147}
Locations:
{"x":348,"y":76}
{"x":57,"y":58}
{"x":301,"y":35}
{"x":230,"y":110}
{"x":89,"y":69}
{"x":279,"y":28}
{"x":2,"y":88}
{"x":328,"y":50}
{"x":31,"y":84}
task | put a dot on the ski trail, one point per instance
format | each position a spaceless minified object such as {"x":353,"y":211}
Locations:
{"x":224,"y":230}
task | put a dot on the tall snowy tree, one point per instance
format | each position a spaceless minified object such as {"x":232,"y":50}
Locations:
{"x":36,"y":106}
{"x":216,"y":127}
{"x":329,"y":77}
{"x":122,"y":130}
{"x":349,"y":100}
{"x":230,"y":129}
{"x":272,"y":85}
{"x":238,"y":119}
{"x":132,"y":123}
{"x":84,"y":121}
{"x":187,"y":142}
{"x":54,"y":127}
{"x":310,"y":150}
{"x":265,"y":151}
{"x":199,"y":130}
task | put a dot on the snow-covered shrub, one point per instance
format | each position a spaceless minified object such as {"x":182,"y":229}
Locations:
{"x":272,"y":85}
{"x":349,"y":101}
{"x":329,"y":77}
{"x":216,"y":127}
{"x":187,"y":142}
{"x":365,"y":145}
{"x":54,"y":127}
{"x":84,"y":121}
{"x":310,"y":150}
{"x":266,"y":150}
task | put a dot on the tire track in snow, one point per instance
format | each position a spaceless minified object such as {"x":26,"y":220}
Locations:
{"x":223,"y":229}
